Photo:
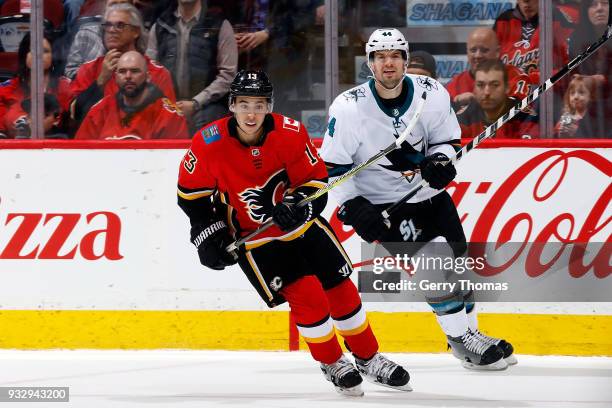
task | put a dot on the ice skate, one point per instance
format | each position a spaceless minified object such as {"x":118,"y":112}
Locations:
{"x":344,"y":376}
{"x":502,"y":344}
{"x":382,"y":371}
{"x":476,"y":353}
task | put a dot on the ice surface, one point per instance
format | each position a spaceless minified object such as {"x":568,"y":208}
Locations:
{"x":105,"y":379}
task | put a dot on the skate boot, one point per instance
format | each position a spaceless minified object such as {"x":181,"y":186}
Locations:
{"x":344,"y":376}
{"x":382,"y":371}
{"x":502,"y":344}
{"x":475,"y":353}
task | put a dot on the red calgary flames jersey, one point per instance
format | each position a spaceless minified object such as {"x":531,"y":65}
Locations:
{"x":12,"y":94}
{"x":250,"y":180}
{"x":519,"y":41}
{"x":519,"y":83}
{"x":161,"y":119}
{"x":523,"y":126}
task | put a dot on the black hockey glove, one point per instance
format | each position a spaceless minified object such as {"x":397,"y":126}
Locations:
{"x":288,"y":216}
{"x":211,"y":240}
{"x":364,"y":217}
{"x":435,"y":173}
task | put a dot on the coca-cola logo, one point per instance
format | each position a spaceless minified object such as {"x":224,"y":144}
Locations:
{"x":560,"y":166}
{"x":30,"y":225}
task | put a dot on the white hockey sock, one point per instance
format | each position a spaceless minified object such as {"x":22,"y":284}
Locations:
{"x":472,"y":319}
{"x":454,"y":325}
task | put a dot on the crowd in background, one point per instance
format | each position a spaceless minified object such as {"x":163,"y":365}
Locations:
{"x":141,"y":69}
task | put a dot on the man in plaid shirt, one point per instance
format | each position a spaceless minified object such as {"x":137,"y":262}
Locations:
{"x":87,"y":44}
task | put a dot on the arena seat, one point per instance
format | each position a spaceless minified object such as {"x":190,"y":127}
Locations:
{"x":53,"y":11}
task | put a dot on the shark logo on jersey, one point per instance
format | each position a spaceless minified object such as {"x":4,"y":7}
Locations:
{"x":259,"y":201}
{"x":406,"y":159}
{"x":354,"y":94}
{"x":427,"y":83}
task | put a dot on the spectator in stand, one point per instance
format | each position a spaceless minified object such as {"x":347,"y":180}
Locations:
{"x":593,"y":22}
{"x":490,"y":102}
{"x":152,"y":9}
{"x":72,"y":9}
{"x":578,"y":118}
{"x":569,"y":8}
{"x":51,"y":120}
{"x":518,"y":33}
{"x":250,"y":20}
{"x":88,"y":43}
{"x":123,"y":32}
{"x":421,"y":63}
{"x":293,"y":65}
{"x":482,"y":45}
{"x":139,"y":110}
{"x":16,"y":89}
{"x":197,"y":45}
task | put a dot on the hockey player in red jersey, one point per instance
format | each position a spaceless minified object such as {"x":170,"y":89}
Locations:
{"x":255,"y":165}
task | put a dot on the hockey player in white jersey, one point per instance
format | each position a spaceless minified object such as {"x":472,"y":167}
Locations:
{"x":362,"y":122}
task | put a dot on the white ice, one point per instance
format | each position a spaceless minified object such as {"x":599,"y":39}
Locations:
{"x":203,"y":379}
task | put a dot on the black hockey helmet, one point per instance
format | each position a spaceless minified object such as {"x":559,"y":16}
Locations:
{"x":251,"y":83}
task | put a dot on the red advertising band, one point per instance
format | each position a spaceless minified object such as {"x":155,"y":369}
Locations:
{"x":490,"y":131}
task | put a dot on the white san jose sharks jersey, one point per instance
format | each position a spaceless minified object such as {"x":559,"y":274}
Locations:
{"x":360,"y":126}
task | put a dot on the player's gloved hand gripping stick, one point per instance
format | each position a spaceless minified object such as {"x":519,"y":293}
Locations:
{"x":490,"y":131}
{"x":324,"y":190}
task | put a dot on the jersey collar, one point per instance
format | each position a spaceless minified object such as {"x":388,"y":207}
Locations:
{"x":394,"y":113}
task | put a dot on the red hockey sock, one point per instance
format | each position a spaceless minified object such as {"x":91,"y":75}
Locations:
{"x":310,"y":311}
{"x":351,"y":321}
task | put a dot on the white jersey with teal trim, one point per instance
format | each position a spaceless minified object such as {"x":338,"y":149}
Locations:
{"x":360,"y":126}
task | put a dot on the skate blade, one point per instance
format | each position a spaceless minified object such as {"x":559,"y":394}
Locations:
{"x":511,"y":360}
{"x":355,"y":391}
{"x":406,"y":387}
{"x":499,"y":365}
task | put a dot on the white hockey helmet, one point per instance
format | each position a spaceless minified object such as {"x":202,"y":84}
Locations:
{"x":387,"y":39}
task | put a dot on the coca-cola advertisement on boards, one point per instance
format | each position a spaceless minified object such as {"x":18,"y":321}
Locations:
{"x":87,"y":228}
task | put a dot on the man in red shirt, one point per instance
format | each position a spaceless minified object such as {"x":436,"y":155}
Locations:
{"x":95,"y":79}
{"x":518,"y":32}
{"x":482,"y":45}
{"x":138,"y":111}
{"x":254,"y":166}
{"x":491,"y":102}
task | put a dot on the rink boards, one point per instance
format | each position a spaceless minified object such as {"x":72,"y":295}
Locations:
{"x":94,"y":253}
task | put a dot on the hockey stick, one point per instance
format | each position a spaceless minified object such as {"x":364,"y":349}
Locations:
{"x":339,"y":180}
{"x":490,"y":131}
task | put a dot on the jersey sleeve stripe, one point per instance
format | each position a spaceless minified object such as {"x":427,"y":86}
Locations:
{"x":314,"y":183}
{"x":456,"y":143}
{"x":193,"y":195}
